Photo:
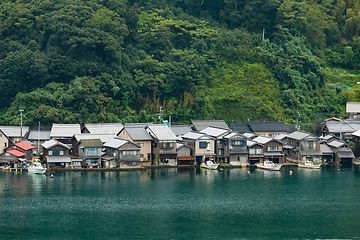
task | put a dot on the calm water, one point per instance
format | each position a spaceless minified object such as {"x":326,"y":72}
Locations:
{"x":182,"y":204}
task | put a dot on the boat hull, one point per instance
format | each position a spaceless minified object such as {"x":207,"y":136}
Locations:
{"x":317,"y":166}
{"x":271,"y":168}
{"x":215,"y":167}
{"x":37,"y":170}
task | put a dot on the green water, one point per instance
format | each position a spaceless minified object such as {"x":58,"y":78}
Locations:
{"x":182,"y":204}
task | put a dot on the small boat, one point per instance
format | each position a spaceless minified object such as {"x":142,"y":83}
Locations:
{"x":309,"y":164}
{"x":36,"y":168}
{"x":210,"y":165}
{"x":269,"y":165}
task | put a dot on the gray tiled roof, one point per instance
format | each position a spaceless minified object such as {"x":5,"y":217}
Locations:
{"x":298,"y":135}
{"x":345,"y":154}
{"x":180,"y":129}
{"x":64,"y":130}
{"x":357,"y":133}
{"x":281,"y":136}
{"x":202,"y":124}
{"x":92,"y":142}
{"x":103,"y":137}
{"x":138,"y":133}
{"x":104,"y":128}
{"x":345,"y":126}
{"x":241,"y":128}
{"x":137,"y":124}
{"x":162,"y":132}
{"x":262,"y":139}
{"x":58,"y":159}
{"x":268,"y":127}
{"x":353,"y":107}
{"x":325,"y":149}
{"x":214,"y":131}
{"x":336,"y":144}
{"x":193,"y":135}
{"x":250,"y":135}
{"x":41,"y":135}
{"x":14,"y":131}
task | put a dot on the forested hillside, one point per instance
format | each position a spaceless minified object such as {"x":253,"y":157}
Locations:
{"x":72,"y":61}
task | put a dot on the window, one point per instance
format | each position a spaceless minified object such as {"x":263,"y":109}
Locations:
{"x":221,"y":151}
{"x":272,"y":148}
{"x":202,"y":144}
{"x":140,"y":144}
{"x":312,"y":145}
{"x":220,"y":141}
{"x":256,"y":151}
{"x":82,"y":150}
{"x":91,"y":150}
{"x":56,"y":152}
{"x":166,"y":145}
{"x":5,"y":144}
{"x":238,"y":142}
{"x":129,"y":153}
{"x":141,"y":155}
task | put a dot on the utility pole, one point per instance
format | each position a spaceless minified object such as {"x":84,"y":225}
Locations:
{"x":21,"y":116}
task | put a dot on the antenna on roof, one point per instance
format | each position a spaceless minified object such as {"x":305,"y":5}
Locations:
{"x":21,"y":116}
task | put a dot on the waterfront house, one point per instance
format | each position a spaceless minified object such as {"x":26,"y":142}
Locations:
{"x":218,"y":134}
{"x":138,"y":135}
{"x":4,"y":142}
{"x":199,"y":125}
{"x":90,"y":151}
{"x":255,"y":151}
{"x":269,"y":129}
{"x":78,"y":137}
{"x":328,"y":155}
{"x":76,"y":162}
{"x":236,"y":149}
{"x":23,"y":147}
{"x":126,"y":152}
{"x":343,"y":153}
{"x":102,"y":128}
{"x":16,"y":133}
{"x":203,"y":146}
{"x":64,"y":132}
{"x":56,"y":154}
{"x":356,"y":140}
{"x":163,"y":144}
{"x":184,"y":155}
{"x":353,"y":110}
{"x":301,"y":146}
{"x":272,"y":149}
{"x":37,"y":138}
{"x":12,"y":158}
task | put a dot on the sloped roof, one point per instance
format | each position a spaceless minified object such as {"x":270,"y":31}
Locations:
{"x":357,"y":133}
{"x":137,"y":124}
{"x":268,"y":127}
{"x":103,"y":137}
{"x":241,"y":128}
{"x":64,"y":130}
{"x":180,"y":129}
{"x":345,"y":154}
{"x":58,"y":159}
{"x":230,"y":135}
{"x":138,"y":133}
{"x":116,"y":143}
{"x":325,"y":149}
{"x":41,"y":135}
{"x":281,"y":136}
{"x":262,"y":139}
{"x":336,"y":144}
{"x":14,"y":131}
{"x":16,"y":152}
{"x":353,"y":107}
{"x":51,"y":143}
{"x":193,"y":135}
{"x":214,"y":131}
{"x":162,"y":132}
{"x":104,"y":128}
{"x":298,"y":135}
{"x":24,"y":145}
{"x":199,"y":125}
{"x":345,"y":126}
{"x":92,"y":142}
{"x":252,"y":143}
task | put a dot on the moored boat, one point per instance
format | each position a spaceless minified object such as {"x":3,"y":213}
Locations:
{"x":309,"y":164}
{"x":269,"y":165}
{"x":210,"y":165}
{"x":36,"y":168}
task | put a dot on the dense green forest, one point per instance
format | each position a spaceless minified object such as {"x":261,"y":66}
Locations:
{"x":72,"y":61}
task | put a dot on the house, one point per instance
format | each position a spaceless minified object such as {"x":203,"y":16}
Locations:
{"x":203,"y":146}
{"x":301,"y":146}
{"x":56,"y":154}
{"x":255,"y":152}
{"x":236,"y":149}
{"x":184,"y":155}
{"x":76,"y":162}
{"x":138,"y":135}
{"x":64,"y":132}
{"x":15,"y":133}
{"x":126,"y":152}
{"x":327,"y":153}
{"x":4,"y":142}
{"x":90,"y":151}
{"x":218,"y":134}
{"x":272,"y":149}
{"x":342,"y":151}
{"x":102,"y":128}
{"x":269,"y":129}
{"x":356,"y":140}
{"x":163,"y":144}
{"x":25,"y":148}
{"x":353,"y":110}
{"x":78,"y":137}
{"x":12,"y":158}
{"x":342,"y":129}
{"x":199,"y":125}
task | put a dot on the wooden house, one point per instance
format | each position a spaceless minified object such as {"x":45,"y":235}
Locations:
{"x":64,"y":132}
{"x":126,"y":152}
{"x":268,"y":129}
{"x":255,"y":152}
{"x":236,"y":149}
{"x":272,"y":149}
{"x":56,"y":154}
{"x":90,"y":151}
{"x":218,"y":134}
{"x":4,"y":142}
{"x":102,"y":128}
{"x":16,"y":133}
{"x":23,"y":147}
{"x":184,"y":155}
{"x":203,"y":146}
